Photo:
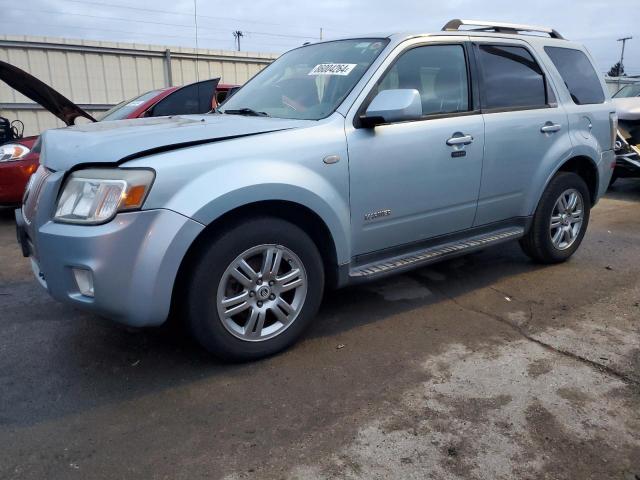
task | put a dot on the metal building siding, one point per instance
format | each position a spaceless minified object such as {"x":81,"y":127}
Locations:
{"x":100,"y":74}
{"x":35,"y":121}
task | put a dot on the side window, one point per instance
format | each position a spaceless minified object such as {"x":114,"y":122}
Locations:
{"x":221,"y":96}
{"x":438,"y":72}
{"x":511,"y":78}
{"x":192,"y":99}
{"x":578,"y":74}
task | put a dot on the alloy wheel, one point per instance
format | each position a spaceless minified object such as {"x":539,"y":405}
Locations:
{"x":566,"y":219}
{"x":262,"y":292}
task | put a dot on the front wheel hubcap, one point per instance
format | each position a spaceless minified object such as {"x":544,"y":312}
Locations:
{"x":567,"y":217}
{"x":262,"y":292}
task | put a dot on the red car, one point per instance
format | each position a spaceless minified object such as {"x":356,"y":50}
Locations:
{"x":19,"y":155}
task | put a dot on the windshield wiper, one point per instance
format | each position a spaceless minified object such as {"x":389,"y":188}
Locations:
{"x":246,"y":111}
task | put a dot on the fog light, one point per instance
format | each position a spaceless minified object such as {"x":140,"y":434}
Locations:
{"x":84,"y":280}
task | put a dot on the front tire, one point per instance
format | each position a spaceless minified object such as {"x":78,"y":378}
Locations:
{"x":560,"y":221}
{"x":254,"y":289}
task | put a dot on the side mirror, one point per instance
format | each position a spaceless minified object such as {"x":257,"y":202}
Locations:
{"x":393,"y":106}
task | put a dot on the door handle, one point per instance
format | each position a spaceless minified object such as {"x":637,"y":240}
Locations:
{"x":550,"y":127}
{"x":460,"y":140}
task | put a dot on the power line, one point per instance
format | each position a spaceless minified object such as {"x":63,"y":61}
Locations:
{"x":169,"y":12}
{"x":102,"y":17}
{"x":337,"y":31}
{"x":283,"y":35}
{"x":139,"y":33}
{"x":52,"y":25}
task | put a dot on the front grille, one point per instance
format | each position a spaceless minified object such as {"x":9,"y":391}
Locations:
{"x":32,"y":193}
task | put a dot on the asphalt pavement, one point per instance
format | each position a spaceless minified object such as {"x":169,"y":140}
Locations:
{"x":482,"y":367}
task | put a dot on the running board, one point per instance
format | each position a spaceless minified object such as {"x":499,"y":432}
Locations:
{"x":433,"y":254}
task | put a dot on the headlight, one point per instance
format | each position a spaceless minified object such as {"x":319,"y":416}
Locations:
{"x":10,"y":152}
{"x":95,"y":196}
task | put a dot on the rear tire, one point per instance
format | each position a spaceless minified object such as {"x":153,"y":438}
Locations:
{"x":254,"y":289}
{"x":560,"y":221}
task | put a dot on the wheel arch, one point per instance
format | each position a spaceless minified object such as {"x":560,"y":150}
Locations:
{"x":583,"y":165}
{"x":302,"y":216}
{"x":587,"y":169}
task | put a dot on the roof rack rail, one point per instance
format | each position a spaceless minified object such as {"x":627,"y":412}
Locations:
{"x":484,"y":26}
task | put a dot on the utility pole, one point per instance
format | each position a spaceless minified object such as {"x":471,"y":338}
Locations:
{"x":624,"y":41}
{"x":237,"y":35}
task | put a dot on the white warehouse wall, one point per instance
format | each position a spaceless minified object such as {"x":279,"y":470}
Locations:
{"x":97,"y":74}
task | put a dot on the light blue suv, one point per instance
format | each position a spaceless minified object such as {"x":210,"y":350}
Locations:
{"x":342,"y":162}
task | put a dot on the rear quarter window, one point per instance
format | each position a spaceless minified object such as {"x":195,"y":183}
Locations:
{"x":578,"y":74}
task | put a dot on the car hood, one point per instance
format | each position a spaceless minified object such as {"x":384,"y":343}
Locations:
{"x":41,"y":93}
{"x":121,"y":140}
{"x":628,"y":108}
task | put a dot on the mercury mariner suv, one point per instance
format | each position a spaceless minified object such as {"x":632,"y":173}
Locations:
{"x":342,"y":162}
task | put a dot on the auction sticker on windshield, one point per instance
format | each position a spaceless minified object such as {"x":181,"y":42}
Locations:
{"x":333,"y":69}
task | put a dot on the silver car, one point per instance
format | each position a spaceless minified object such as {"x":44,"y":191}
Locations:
{"x":342,"y":162}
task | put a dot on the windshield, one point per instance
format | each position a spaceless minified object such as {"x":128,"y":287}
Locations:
{"x":307,"y":83}
{"x":628,"y":91}
{"x":126,"y":108}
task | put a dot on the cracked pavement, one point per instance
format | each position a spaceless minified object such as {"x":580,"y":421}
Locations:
{"x":482,"y":367}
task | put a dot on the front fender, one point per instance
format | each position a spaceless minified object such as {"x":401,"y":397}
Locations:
{"x":205,"y":182}
{"x":205,"y":197}
{"x":315,"y":193}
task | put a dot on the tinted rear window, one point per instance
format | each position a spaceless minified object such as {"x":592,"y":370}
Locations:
{"x":578,"y":74}
{"x":512,"y":78}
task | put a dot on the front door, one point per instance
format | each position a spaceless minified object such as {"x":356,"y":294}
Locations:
{"x":411,"y":181}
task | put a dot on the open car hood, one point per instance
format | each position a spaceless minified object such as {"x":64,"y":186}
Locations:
{"x":42,"y":94}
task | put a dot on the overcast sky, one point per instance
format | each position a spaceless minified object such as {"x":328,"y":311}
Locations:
{"x":278,"y":25}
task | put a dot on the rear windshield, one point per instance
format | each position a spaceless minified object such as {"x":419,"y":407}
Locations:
{"x":578,"y":74}
{"x":126,"y":108}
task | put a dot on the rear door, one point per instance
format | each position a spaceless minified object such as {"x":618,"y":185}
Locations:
{"x":524,"y":128}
